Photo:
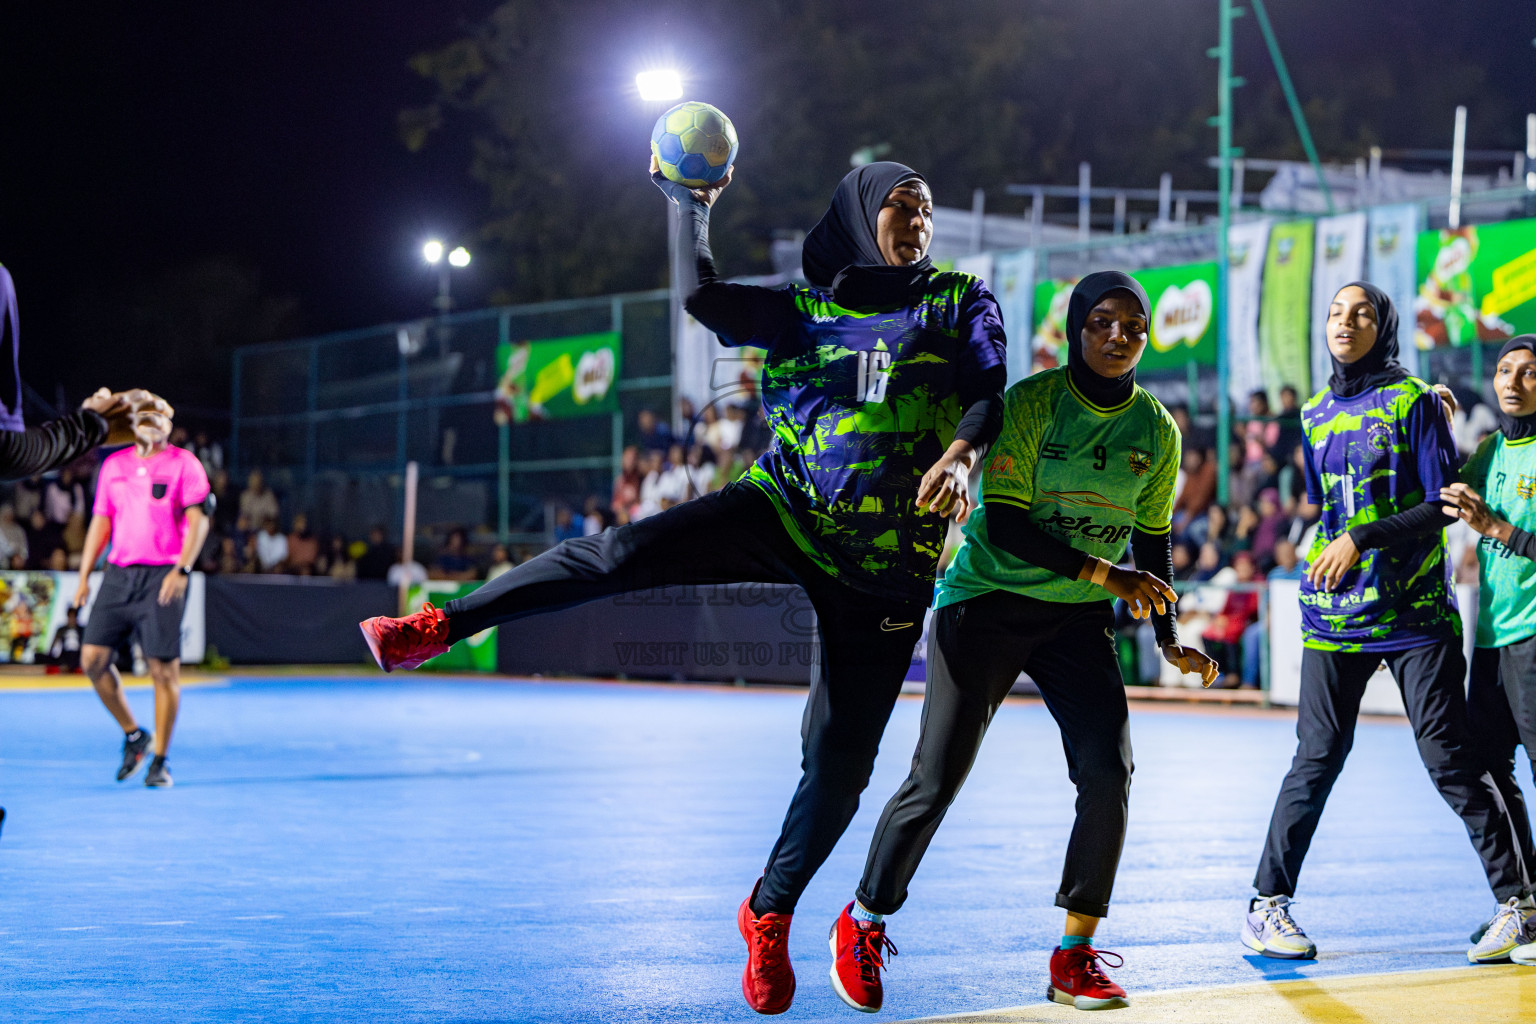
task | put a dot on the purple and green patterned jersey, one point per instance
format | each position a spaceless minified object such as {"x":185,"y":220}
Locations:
{"x":861,"y":405}
{"x":1370,"y":457}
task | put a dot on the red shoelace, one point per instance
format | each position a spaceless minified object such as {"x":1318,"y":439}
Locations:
{"x":1085,"y":962}
{"x":423,"y":624}
{"x":866,"y":952}
{"x":768,"y":948}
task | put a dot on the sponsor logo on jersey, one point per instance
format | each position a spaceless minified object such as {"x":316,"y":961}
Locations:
{"x":1053,"y":451}
{"x":1140,"y":461}
{"x":1080,"y":499}
{"x":1379,"y":437}
{"x":1000,"y":464}
{"x":1525,"y":486}
{"x":1085,"y":527}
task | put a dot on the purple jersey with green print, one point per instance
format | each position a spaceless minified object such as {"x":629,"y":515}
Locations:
{"x":1370,"y":457}
{"x":861,"y":405}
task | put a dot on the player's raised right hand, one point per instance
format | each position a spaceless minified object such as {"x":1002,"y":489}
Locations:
{"x":676,"y":192}
{"x":1143,"y":592}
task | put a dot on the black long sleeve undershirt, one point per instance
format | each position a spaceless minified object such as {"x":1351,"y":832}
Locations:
{"x":1009,"y":527}
{"x":1522,"y":543}
{"x":1423,"y":518}
{"x":24,"y":453}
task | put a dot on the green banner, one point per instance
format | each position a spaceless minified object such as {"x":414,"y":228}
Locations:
{"x":1285,"y":309}
{"x":1479,"y":284}
{"x":1183,"y":327}
{"x":476,"y":654}
{"x":558,"y":378}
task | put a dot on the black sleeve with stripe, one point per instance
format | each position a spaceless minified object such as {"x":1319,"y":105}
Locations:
{"x":1154,"y":554}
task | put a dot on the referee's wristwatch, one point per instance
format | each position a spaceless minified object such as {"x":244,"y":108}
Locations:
{"x":185,"y":570}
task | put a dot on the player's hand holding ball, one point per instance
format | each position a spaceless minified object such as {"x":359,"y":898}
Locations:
{"x":120,"y":407}
{"x":693,"y":152}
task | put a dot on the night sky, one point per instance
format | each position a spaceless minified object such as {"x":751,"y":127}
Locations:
{"x":143,"y":138}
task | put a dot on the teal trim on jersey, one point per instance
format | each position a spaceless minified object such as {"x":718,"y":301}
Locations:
{"x":1085,"y":477}
{"x":1504,"y":473}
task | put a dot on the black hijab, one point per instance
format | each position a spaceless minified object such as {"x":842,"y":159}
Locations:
{"x":1378,"y":367}
{"x":1516,"y":427}
{"x":842,"y":253}
{"x":1105,"y":392}
{"x":10,"y":347}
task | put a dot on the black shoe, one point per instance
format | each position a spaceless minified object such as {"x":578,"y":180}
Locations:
{"x":133,"y":753}
{"x":2,"y":817}
{"x":158,"y":775}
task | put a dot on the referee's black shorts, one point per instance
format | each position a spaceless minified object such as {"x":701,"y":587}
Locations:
{"x":129,"y":601}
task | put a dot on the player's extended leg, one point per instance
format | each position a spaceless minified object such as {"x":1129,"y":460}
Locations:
{"x":1332,"y":683}
{"x":1430,"y":678}
{"x":732,"y":535}
{"x":975,"y":652}
{"x":96,"y":663}
{"x":866,"y":649}
{"x":1078,"y":673}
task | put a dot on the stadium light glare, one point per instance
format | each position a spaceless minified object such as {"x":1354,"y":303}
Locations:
{"x":659,"y":85}
{"x":432,"y":251}
{"x":459,"y":257}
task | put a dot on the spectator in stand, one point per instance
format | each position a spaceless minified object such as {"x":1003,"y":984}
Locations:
{"x":453,"y":562}
{"x":271,"y":546}
{"x":728,"y":431}
{"x":626,"y":486}
{"x":230,"y":559}
{"x":674,"y":483}
{"x":651,"y":468}
{"x":226,"y":507}
{"x":209,"y":453}
{"x":58,"y":561}
{"x":501,"y":561}
{"x":1288,"y":419}
{"x":1261,"y":432}
{"x":1243,"y":530}
{"x":74,"y":538}
{"x":27,"y":495}
{"x":592,"y":522}
{"x":257,"y":502}
{"x":1242,"y":479}
{"x":566,"y":526}
{"x":1287,"y":566}
{"x":1183,"y":560}
{"x":1199,"y":489}
{"x":755,"y":432}
{"x":338,"y":561}
{"x":65,"y":649}
{"x":63,"y":497}
{"x":1273,"y":524}
{"x":701,"y":471}
{"x":1293,"y":481}
{"x":1224,"y":636}
{"x":13,"y":539}
{"x":303,"y":548}
{"x":655,"y":435}
{"x":411,"y":572}
{"x":374,"y":562}
{"x":42,"y":537}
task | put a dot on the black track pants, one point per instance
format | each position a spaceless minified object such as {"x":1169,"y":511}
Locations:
{"x":1501,"y":710}
{"x":735,"y":536}
{"x":975,"y":652}
{"x":1430,"y":679}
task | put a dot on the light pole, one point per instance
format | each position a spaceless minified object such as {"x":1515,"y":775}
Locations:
{"x":438,"y":255}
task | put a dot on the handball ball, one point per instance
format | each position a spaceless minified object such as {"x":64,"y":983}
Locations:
{"x":694,"y":143}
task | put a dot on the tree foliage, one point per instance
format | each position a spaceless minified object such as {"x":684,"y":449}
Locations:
{"x":975,"y":94}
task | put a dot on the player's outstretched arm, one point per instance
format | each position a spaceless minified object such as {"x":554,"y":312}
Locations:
{"x":1464,"y":503}
{"x":38,"y":449}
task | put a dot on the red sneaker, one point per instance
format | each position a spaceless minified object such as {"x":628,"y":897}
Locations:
{"x":408,"y":641}
{"x":856,"y":960}
{"x":768,"y":981}
{"x":1078,"y":980}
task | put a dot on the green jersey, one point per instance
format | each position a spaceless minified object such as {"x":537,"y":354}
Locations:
{"x":1084,"y":474}
{"x":1504,"y":473}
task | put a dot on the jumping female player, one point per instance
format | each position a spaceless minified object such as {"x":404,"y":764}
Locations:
{"x":881,"y":382}
{"x":1378,"y":454}
{"x":1086,"y":460}
{"x":1497,"y":498}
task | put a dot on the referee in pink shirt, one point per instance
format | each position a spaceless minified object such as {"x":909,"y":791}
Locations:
{"x":151,"y":504}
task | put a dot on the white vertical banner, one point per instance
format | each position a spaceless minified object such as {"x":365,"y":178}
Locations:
{"x":1013,"y":284}
{"x":1391,"y":264}
{"x":692,"y":366}
{"x":1338,"y":257}
{"x":1246,"y":246}
{"x":979,"y":264}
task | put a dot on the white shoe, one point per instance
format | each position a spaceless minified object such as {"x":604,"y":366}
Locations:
{"x":1524,"y":955}
{"x":1513,"y":925}
{"x":1270,"y":930}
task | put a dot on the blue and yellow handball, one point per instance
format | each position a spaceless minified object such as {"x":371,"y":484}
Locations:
{"x":694,"y":143}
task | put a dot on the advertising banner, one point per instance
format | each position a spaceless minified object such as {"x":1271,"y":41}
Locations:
{"x":476,"y":654}
{"x":1338,"y":258}
{"x":1246,"y":246}
{"x":1182,"y":330}
{"x":560,"y":378}
{"x":1478,"y":284}
{"x":194,"y":635}
{"x":1391,"y":264}
{"x":1283,"y":310}
{"x":1013,"y":285}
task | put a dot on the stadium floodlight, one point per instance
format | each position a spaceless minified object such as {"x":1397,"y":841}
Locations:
{"x":659,"y":85}
{"x":432,"y":251}
{"x":459,"y":257}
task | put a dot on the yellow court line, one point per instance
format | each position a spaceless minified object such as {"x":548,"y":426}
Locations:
{"x":1502,"y":994}
{"x":71,"y":682}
